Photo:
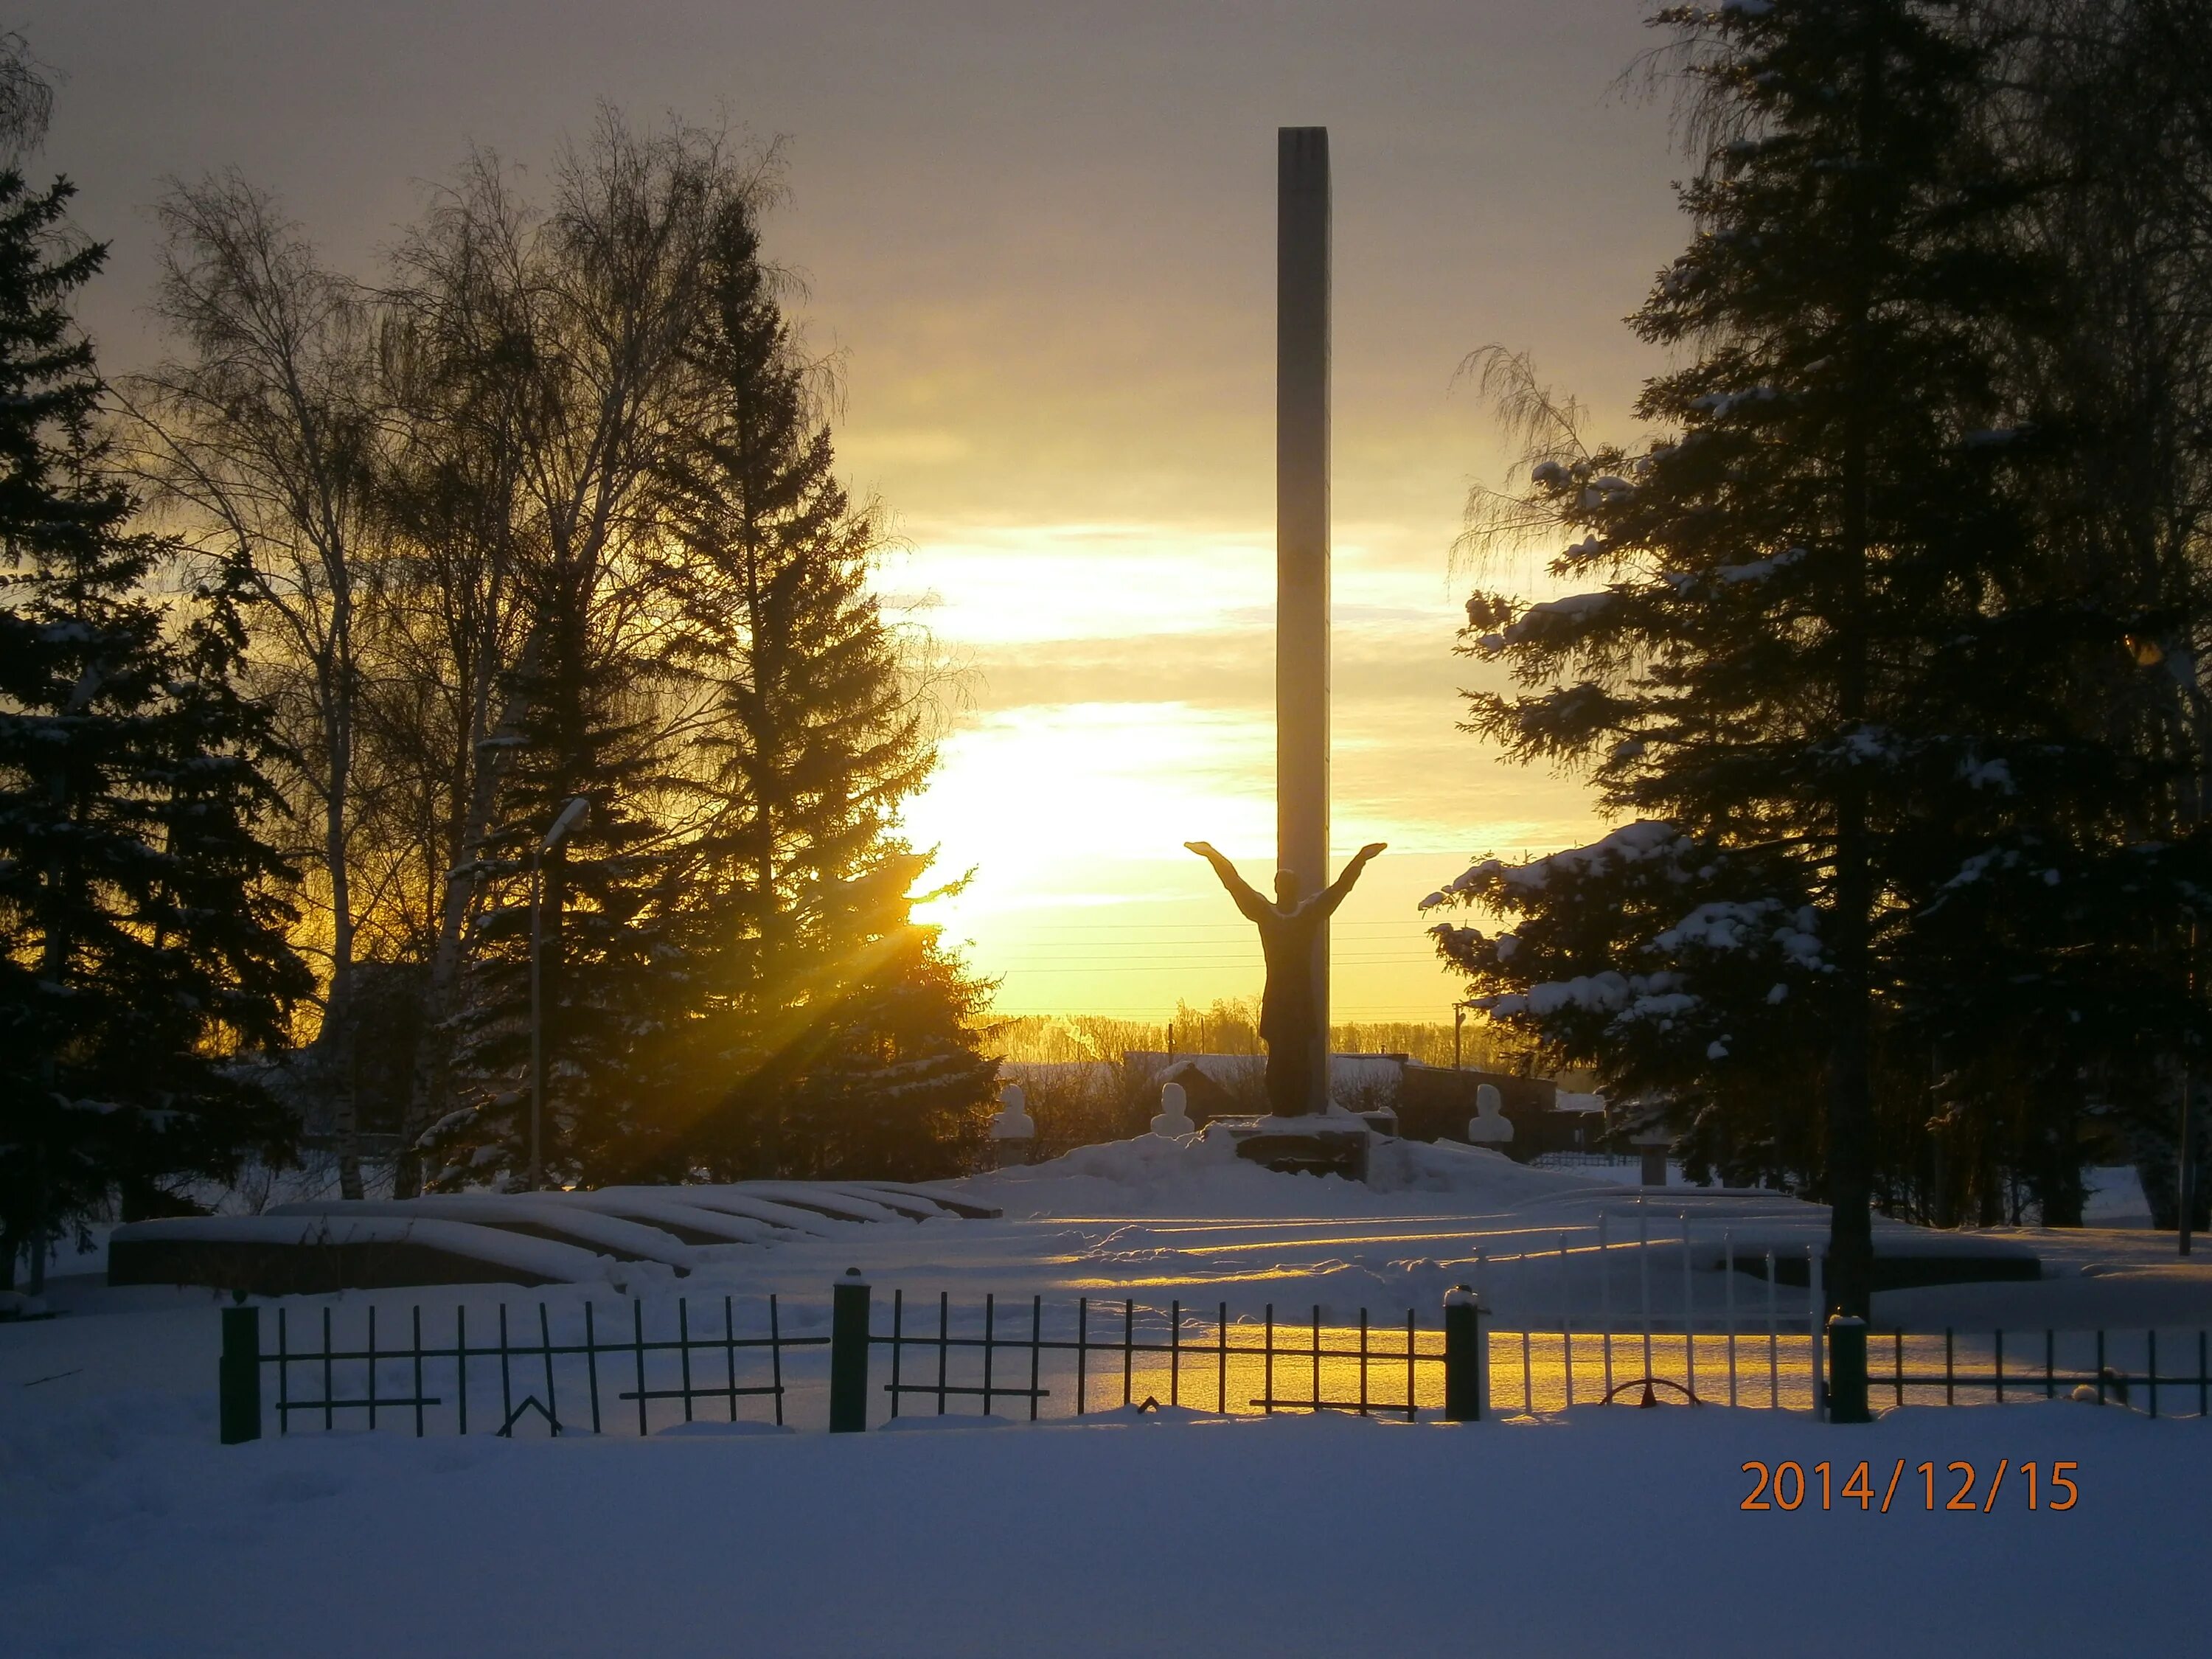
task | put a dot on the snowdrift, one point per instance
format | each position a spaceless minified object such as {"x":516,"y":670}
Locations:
{"x":1196,"y":1175}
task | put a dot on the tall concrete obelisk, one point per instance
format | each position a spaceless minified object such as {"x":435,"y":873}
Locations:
{"x":1302,"y":282}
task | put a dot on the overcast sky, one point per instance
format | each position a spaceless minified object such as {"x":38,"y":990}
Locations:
{"x":1042,"y":235}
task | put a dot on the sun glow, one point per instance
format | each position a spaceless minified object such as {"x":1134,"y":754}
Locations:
{"x":1121,"y":689}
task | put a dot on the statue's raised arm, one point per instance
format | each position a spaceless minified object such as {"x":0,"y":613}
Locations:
{"x":1248,"y":901}
{"x":1333,"y":894}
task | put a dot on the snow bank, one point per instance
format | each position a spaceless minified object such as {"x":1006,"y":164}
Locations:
{"x":125,"y":1530}
{"x":1152,"y":1175}
{"x":2115,"y":1198}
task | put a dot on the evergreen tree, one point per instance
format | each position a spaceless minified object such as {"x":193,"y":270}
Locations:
{"x":1838,"y":661}
{"x":829,"y":1034}
{"x":2111,"y":98}
{"x":143,"y":943}
{"x":590,"y":905}
{"x":1689,"y":974}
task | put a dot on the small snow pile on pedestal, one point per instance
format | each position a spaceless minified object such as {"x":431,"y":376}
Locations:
{"x":1173,"y":1120}
{"x":1012,"y":1121}
{"x":1013,"y":1132}
{"x":1489,"y":1127}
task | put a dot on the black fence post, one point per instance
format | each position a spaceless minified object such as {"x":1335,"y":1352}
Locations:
{"x":239,"y":1375}
{"x":848,"y":1354}
{"x":1847,"y":1370}
{"x":1463,"y":1357}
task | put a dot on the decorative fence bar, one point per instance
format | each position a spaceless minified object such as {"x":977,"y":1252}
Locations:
{"x":655,"y":1368}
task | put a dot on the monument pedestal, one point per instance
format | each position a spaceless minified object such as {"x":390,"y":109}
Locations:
{"x":1322,"y":1144}
{"x":1013,"y":1132}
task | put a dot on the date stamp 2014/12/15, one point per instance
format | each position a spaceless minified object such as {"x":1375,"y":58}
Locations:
{"x":1947,"y":1487}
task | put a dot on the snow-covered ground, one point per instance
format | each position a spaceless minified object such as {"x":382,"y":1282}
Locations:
{"x":1601,"y":1532}
{"x":2115,"y":1198}
{"x":124,"y":1529}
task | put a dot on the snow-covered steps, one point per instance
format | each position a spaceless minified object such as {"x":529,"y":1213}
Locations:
{"x":312,"y":1255}
{"x":945,"y":1201}
{"x":535,"y":1215}
{"x":694,"y":1224}
{"x":514,"y":1239}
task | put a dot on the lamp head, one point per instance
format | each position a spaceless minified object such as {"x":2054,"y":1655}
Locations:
{"x":571,"y":815}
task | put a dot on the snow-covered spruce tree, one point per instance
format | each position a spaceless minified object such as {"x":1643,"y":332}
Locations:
{"x":142,"y":936}
{"x":1837,"y":658}
{"x":864,"y":1066}
{"x":602,"y":907}
{"x":1642,"y":954}
{"x":826,"y":1032}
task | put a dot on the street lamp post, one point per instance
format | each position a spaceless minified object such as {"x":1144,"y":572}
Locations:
{"x":2186,"y":1174}
{"x":570,"y":816}
{"x":1458,"y":1019}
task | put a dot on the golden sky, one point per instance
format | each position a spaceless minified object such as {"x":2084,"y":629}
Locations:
{"x":1042,"y":237}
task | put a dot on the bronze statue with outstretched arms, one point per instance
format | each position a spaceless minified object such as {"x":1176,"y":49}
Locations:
{"x":1288,"y":929}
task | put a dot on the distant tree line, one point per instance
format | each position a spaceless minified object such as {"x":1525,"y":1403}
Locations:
{"x":1887,"y":644}
{"x":1230,"y":1025}
{"x":314,"y":631}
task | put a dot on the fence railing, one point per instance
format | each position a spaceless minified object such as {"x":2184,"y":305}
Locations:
{"x":320,"y":1377}
{"x":2119,"y":1367}
{"x":1172,"y":1357}
{"x":644,"y":1368}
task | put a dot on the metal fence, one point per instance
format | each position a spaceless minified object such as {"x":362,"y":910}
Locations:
{"x":640,"y":1368}
{"x":2118,"y":1367}
{"x":1126,"y":1353}
{"x":319,"y":1377}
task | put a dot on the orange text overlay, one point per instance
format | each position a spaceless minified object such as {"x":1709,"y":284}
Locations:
{"x":1958,"y":1488}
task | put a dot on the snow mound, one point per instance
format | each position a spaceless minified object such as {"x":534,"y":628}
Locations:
{"x":952,"y":1422}
{"x":1153,"y":1174}
{"x":1478,"y":1174}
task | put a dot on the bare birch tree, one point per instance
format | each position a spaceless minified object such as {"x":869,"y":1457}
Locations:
{"x":263,"y":432}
